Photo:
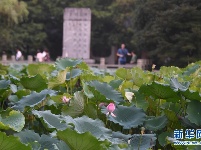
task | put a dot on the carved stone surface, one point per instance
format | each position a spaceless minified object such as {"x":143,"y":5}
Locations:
{"x":77,"y":33}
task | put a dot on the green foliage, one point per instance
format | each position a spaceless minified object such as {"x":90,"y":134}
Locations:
{"x":130,"y":118}
{"x":32,"y":100}
{"x":35,"y":83}
{"x":77,"y":114}
{"x":14,"y":120}
{"x":80,"y":141}
{"x":11,"y":143}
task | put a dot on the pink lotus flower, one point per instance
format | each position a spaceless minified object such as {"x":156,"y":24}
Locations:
{"x":65,"y":99}
{"x":110,"y":109}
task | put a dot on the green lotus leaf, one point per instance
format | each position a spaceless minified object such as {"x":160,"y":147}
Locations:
{"x":73,"y":73}
{"x":176,"y":86}
{"x":13,"y":88}
{"x":23,"y":92}
{"x":63,"y":63}
{"x":34,"y":99}
{"x":159,"y":91}
{"x":91,"y":110}
{"x":41,"y":142}
{"x":156,"y":123}
{"x":119,"y":138}
{"x":89,"y":77}
{"x":34,"y":69}
{"x":124,"y":73}
{"x":186,"y":123}
{"x":191,"y":95}
{"x":51,"y":121}
{"x":14,"y":120}
{"x":169,"y":71}
{"x":4,"y":94}
{"x":58,"y":80}
{"x":95,"y":127}
{"x":140,"y":77}
{"x":194,"y":112}
{"x":35,"y":83}
{"x":87,"y":92}
{"x":128,"y":117}
{"x":76,"y":106}
{"x":11,"y":143}
{"x":144,"y":142}
{"x":191,"y":69}
{"x":139,"y":101}
{"x":162,"y":138}
{"x":108,"y":78}
{"x":4,"y":84}
{"x":116,"y":83}
{"x":107,"y":91}
{"x":84,"y":141}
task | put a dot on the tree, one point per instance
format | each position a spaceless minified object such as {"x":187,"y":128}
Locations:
{"x":170,"y":31}
{"x":12,"y":12}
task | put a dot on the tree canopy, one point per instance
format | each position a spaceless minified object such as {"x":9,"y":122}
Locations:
{"x":169,"y":32}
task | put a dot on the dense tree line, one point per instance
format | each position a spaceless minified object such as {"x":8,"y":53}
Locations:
{"x":167,"y":31}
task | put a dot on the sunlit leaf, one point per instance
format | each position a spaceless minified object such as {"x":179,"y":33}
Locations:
{"x":34,"y":69}
{"x":14,"y":120}
{"x":35,"y":83}
{"x":11,"y":143}
{"x":76,"y":141}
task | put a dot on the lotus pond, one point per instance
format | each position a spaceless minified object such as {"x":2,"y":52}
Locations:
{"x":68,"y":106}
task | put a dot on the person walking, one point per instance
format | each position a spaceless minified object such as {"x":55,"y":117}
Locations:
{"x":122,"y":53}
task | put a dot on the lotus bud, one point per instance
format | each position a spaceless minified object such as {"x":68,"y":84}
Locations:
{"x":142,"y":130}
{"x":65,"y":99}
{"x":129,"y":96}
{"x":110,"y":108}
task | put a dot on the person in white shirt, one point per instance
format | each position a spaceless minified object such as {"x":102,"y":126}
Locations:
{"x":18,"y":54}
{"x":39,"y":56}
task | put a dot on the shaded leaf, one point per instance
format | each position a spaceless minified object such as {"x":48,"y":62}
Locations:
{"x":143,"y":142}
{"x":73,"y":73}
{"x":128,"y":117}
{"x":140,"y":101}
{"x":159,"y":91}
{"x":34,"y":99}
{"x":162,"y":138}
{"x":95,"y":127}
{"x":156,"y":123}
{"x":63,"y":63}
{"x":40,"y":143}
{"x":50,"y":120}
{"x":107,"y":91}
{"x":115,"y":83}
{"x":76,"y":106}
{"x":194,"y":112}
